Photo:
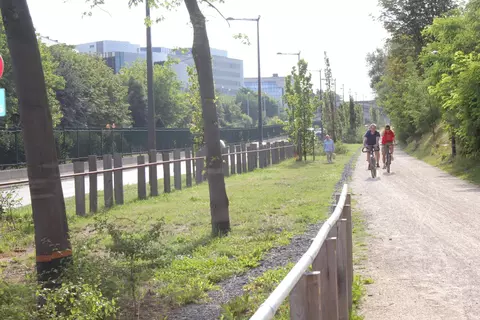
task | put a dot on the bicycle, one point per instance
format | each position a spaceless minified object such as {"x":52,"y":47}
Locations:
{"x":388,"y":158}
{"x":372,"y":164}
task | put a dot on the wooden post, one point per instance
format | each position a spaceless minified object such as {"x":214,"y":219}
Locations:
{"x":141,"y":186}
{"x":282,"y":150}
{"x":118,"y":179}
{"x":305,"y":298}
{"x":177,"y":170}
{"x":232,"y":159}
{"x":79,"y":167}
{"x":261,"y":157}
{"x":107,"y":181}
{"x":238,"y":150}
{"x":275,"y":153}
{"x":152,"y":171}
{"x":255,"y":155}
{"x":199,"y":167}
{"x":250,"y":158}
{"x":188,"y":167}
{"x":226,"y":171}
{"x":347,"y":213}
{"x":166,"y":172}
{"x":92,"y":167}
{"x":269,"y":154}
{"x":244,"y":158}
{"x":330,"y":297}
{"x":342,"y":270}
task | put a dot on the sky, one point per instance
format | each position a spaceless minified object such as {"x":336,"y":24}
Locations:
{"x":345,"y":29}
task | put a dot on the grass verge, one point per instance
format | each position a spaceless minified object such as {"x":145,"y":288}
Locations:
{"x":158,"y":253}
{"x":436,"y":150}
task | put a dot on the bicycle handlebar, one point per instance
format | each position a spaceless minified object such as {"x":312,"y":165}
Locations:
{"x":366,"y":149}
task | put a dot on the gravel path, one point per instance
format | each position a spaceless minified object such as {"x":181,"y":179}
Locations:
{"x":277,"y":257}
{"x":424,"y":254}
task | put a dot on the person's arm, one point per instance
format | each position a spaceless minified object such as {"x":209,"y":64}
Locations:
{"x":365,"y":139}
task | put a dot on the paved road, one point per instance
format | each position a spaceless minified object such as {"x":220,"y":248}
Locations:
{"x":424,"y":253}
{"x":129,"y":177}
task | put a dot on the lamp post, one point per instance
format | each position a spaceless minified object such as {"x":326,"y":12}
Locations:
{"x":152,"y":144}
{"x":260,"y":120}
{"x":321,"y":97}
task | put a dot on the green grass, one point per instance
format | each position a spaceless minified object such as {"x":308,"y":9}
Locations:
{"x":436,"y":150}
{"x":267,"y":207}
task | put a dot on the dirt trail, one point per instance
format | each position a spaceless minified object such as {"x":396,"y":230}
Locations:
{"x":424,"y":253}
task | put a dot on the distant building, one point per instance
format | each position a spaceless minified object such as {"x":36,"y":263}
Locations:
{"x":227,"y":72}
{"x":366,"y":111}
{"x":273,"y":86}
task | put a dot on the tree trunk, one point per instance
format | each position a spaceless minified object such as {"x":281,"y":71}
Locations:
{"x":52,"y":243}
{"x":203,"y":62}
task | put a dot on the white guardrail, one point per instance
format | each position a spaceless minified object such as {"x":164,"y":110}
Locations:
{"x":326,"y":291}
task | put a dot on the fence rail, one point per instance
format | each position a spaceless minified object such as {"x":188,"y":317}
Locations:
{"x":244,"y":159}
{"x":326,"y":291}
{"x":79,"y":143}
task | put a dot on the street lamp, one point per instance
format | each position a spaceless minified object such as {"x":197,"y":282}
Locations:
{"x":152,"y":144}
{"x":260,"y":120}
{"x":290,"y":54}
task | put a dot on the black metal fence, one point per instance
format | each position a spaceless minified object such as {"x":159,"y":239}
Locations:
{"x":75,"y":143}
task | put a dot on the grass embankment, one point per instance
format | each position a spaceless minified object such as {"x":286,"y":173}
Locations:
{"x":436,"y":150}
{"x":159,"y":251}
{"x":258,"y":290}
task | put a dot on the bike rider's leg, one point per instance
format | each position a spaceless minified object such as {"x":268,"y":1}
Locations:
{"x":377,"y":156}
{"x":391,"y":151}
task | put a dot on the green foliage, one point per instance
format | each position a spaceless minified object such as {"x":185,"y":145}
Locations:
{"x":93,"y":94}
{"x":75,"y":302}
{"x":195,"y":101}
{"x":171,"y":107}
{"x":301,"y":105}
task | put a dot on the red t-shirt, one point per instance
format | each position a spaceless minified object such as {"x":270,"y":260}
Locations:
{"x":388,"y":136}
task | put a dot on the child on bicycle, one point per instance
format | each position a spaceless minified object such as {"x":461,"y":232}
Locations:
{"x":371,"y":139}
{"x":388,"y":140}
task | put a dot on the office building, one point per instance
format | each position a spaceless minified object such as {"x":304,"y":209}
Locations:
{"x":227,"y":72}
{"x":273,"y":86}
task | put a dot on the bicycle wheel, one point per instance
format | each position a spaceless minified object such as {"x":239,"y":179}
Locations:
{"x":389,"y":160}
{"x":374,"y":167}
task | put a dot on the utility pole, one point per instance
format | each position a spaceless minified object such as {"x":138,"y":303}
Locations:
{"x":152,"y":143}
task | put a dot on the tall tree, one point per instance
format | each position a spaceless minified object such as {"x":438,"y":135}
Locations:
{"x":329,"y":100}
{"x":137,"y":103}
{"x":52,"y":242}
{"x":376,"y":63}
{"x":299,"y":96}
{"x":410,"y":17}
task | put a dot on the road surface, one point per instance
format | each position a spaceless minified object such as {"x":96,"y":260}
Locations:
{"x":424,"y":249}
{"x":129,"y":177}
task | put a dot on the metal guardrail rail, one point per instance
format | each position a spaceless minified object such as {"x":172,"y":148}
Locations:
{"x":326,"y":291}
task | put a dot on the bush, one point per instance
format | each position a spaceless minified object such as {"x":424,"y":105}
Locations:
{"x":76,"y":302}
{"x":17,"y":301}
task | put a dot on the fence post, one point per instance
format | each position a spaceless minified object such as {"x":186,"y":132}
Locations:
{"x":118,"y":178}
{"x":226,"y":171}
{"x":177,"y":170}
{"x":232,"y":159}
{"x":92,"y":166}
{"x":305,"y":298}
{"x":199,"y":166}
{"x":107,"y":181}
{"x":244,"y":157}
{"x":166,"y":172}
{"x":347,"y":214}
{"x":342,"y":269}
{"x":79,"y":167}
{"x":282,"y":150}
{"x":330,"y":297}
{"x":255,"y":156}
{"x":269,"y":153}
{"x":142,"y":188}
{"x":152,"y":171}
{"x":188,"y":167}
{"x":238,"y":150}
{"x":250,"y":158}
{"x":261,"y":157}
{"x":275,"y":153}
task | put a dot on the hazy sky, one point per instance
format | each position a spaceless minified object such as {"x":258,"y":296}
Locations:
{"x":343,"y":28}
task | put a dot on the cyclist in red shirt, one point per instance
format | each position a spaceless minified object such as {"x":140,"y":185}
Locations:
{"x":388,"y":140}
